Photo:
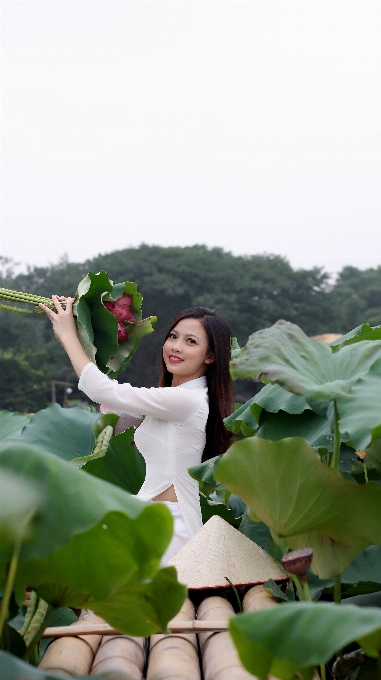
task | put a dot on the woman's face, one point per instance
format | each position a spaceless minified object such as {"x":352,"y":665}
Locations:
{"x":186,"y":351}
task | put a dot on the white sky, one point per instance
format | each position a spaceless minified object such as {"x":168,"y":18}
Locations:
{"x":253,"y":126}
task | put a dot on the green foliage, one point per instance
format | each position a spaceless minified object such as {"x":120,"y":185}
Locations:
{"x":316,"y":508}
{"x":357,"y":297}
{"x":278,"y":641}
{"x":80,"y":520}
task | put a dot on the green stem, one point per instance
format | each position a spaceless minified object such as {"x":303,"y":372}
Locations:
{"x":322,"y":671}
{"x":299,"y":586}
{"x":336,"y":440}
{"x":16,"y":309}
{"x":4,"y":609}
{"x":306,"y":591}
{"x":337,"y":595}
{"x":366,"y":474}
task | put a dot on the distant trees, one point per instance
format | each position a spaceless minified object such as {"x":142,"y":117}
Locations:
{"x":253,"y":292}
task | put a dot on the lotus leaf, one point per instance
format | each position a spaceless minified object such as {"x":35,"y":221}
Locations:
{"x":122,"y":464}
{"x":363,"y":332}
{"x":285,"y":485}
{"x":245,"y":418}
{"x":314,"y":428}
{"x":94,"y":545}
{"x":98,"y":327}
{"x":19,"y":499}
{"x":352,"y":376}
{"x":66,"y":432}
{"x":274,"y":398}
{"x":296,"y":637}
{"x":11,"y":425}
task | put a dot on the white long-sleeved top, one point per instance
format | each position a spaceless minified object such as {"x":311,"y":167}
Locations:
{"x":171,"y":438}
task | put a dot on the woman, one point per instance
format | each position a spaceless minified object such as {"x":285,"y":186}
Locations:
{"x":183,"y":421}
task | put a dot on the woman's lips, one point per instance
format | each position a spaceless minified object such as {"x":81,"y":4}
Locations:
{"x":174,"y":359}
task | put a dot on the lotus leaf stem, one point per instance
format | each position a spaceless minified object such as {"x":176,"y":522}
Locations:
{"x":337,"y":589}
{"x":9,"y":584}
{"x":366,"y":473}
{"x":17,"y":309}
{"x":322,"y":671}
{"x":299,"y":586}
{"x":336,"y":440}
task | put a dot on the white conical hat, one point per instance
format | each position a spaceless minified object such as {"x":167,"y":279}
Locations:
{"x":219,"y":550}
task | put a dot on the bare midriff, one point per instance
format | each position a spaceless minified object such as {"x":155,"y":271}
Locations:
{"x":167,"y":495}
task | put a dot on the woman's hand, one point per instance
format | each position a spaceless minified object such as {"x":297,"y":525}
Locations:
{"x":65,"y":331}
{"x":62,"y":319}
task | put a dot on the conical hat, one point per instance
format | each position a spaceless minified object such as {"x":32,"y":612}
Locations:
{"x":219,"y":550}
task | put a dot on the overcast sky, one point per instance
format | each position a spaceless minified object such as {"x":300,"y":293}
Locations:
{"x":252,"y":126}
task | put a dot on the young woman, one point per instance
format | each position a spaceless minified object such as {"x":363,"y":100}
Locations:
{"x":183,"y":417}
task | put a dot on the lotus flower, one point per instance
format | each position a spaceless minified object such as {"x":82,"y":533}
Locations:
{"x":120,"y":308}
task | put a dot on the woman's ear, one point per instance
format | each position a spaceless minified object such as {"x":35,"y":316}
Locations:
{"x":210,"y":358}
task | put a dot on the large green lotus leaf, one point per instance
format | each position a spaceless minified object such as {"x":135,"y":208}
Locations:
{"x":12,"y":668}
{"x":112,"y":569}
{"x":69,"y":500}
{"x":296,"y":637}
{"x":66,"y":432}
{"x":352,"y":376}
{"x":19,"y":499}
{"x":93,"y":544}
{"x":360,"y":411}
{"x":309,"y":425}
{"x":284,"y":354}
{"x":122,"y":464}
{"x":274,"y":398}
{"x":285,"y":485}
{"x":363,"y":332}
{"x":365,"y":567}
{"x":146,"y":608}
{"x":245,"y":418}
{"x":11,"y":425}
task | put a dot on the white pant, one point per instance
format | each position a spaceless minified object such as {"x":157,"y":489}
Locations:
{"x":180,"y":532}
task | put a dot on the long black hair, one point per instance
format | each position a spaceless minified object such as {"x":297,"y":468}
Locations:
{"x":220,"y":384}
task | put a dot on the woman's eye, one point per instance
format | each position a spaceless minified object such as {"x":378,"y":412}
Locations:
{"x":191,"y":340}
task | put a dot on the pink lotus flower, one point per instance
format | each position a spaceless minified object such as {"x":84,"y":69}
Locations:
{"x":120,"y":308}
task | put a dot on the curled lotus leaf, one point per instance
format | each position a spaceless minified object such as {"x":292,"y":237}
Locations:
{"x":97,"y":327}
{"x":283,"y":354}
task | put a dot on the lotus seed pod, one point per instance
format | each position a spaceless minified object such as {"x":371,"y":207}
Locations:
{"x":298,"y":561}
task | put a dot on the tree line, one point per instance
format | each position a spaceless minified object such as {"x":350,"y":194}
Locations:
{"x":252,"y":291}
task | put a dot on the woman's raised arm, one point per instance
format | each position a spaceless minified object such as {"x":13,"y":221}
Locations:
{"x":65,"y":331}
